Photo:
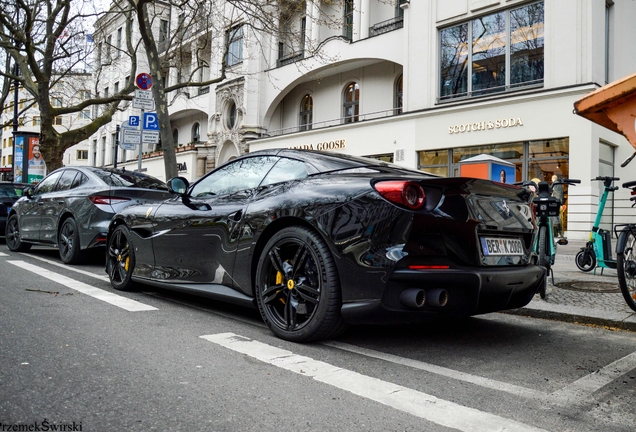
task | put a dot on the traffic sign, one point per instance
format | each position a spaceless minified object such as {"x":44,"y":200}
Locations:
{"x":148,"y":104}
{"x":131,"y":136}
{"x":151,"y":122}
{"x":143,"y":94}
{"x":144,"y":81}
{"x":150,"y":137}
{"x":133,"y":121}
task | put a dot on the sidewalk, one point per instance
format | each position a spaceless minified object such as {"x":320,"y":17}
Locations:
{"x":581,"y":297}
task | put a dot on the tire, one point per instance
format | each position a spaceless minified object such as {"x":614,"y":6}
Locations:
{"x":120,"y":259}
{"x":12,"y":235}
{"x":68,"y":243}
{"x":626,"y":267}
{"x":298,"y":288}
{"x":544,"y":258}
{"x":583,"y":264}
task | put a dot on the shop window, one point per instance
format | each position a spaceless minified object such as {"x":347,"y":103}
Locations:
{"x":474,"y":54}
{"x":306,"y":113}
{"x":351,"y":103}
{"x":434,"y":162}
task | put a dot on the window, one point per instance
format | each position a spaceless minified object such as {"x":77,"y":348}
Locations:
{"x":351,"y":103}
{"x":66,"y":181}
{"x":116,"y":87}
{"x":36,"y":121}
{"x":57,"y":120}
{"x":56,"y":102}
{"x":235,"y":46}
{"x":81,"y":155}
{"x":285,"y":170}
{"x":85,"y":114}
{"x":106,"y":90}
{"x":608,"y":22}
{"x":196,"y":132}
{"x":234,"y":177}
{"x":231,"y":115}
{"x":399,"y":91}
{"x":84,"y":94}
{"x":306,"y":113}
{"x":175,"y":136}
{"x":48,"y":184}
{"x":499,"y":52}
{"x":163,"y":34}
{"x":109,"y":45}
{"x":118,"y":46}
{"x":347,"y":31}
{"x":22,"y":103}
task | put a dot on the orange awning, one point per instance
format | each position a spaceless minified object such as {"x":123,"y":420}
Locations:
{"x":612,"y":106}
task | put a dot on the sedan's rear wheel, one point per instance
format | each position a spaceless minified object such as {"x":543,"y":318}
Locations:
{"x":297,"y":287}
{"x":12,"y":235}
{"x":69,"y":242}
{"x":120,"y":259}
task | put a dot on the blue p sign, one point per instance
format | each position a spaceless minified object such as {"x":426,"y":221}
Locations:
{"x":133,"y":121}
{"x":150,"y":121}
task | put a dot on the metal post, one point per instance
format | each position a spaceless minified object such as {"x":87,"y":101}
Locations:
{"x":116,"y":147}
{"x":141,"y":141}
{"x":16,"y":84}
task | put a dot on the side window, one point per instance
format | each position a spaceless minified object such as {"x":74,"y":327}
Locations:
{"x":286,"y":170}
{"x":66,"y":181}
{"x":236,"y":176}
{"x":80,"y":179}
{"x":48,"y":184}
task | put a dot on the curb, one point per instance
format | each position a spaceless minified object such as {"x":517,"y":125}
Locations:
{"x":627,"y":324}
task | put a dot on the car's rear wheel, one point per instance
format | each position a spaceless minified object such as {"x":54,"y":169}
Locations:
{"x":69,"y":242}
{"x":12,"y":235}
{"x":120,"y":259}
{"x":297,"y":287}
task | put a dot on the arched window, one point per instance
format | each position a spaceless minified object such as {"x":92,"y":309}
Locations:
{"x":306,"y":113}
{"x":231,"y":115}
{"x":196,"y":135}
{"x":175,"y":136}
{"x":398,"y":95}
{"x":351,"y":103}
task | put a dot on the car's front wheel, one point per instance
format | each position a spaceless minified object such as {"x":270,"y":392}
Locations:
{"x":120,"y":259}
{"x":69,"y":242}
{"x":12,"y":235}
{"x":297,"y":287}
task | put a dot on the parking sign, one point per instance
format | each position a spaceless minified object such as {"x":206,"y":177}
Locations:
{"x":133,"y":121}
{"x":151,"y":122}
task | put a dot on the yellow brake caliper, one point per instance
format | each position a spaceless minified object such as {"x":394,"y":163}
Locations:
{"x":279,"y":280}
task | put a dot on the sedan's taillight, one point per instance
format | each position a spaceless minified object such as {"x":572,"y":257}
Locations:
{"x":107,"y":200}
{"x":403,"y":192}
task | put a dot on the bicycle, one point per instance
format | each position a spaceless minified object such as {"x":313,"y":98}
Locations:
{"x":625,"y":254}
{"x":598,"y":249}
{"x":546,"y":207}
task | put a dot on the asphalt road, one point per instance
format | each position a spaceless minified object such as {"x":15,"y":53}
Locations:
{"x":78,"y":354}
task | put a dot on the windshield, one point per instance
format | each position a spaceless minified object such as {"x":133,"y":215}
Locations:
{"x":11,"y":190}
{"x":129,"y":179}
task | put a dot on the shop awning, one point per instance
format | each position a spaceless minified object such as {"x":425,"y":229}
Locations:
{"x":612,"y":106}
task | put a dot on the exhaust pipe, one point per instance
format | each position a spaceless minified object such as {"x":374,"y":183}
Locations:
{"x":413,"y":297}
{"x":437,"y":297}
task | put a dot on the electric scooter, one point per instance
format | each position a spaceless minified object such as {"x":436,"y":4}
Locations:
{"x":598,"y":249}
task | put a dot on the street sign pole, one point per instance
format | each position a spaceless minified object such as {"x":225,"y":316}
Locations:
{"x":141,"y":145}
{"x":116,"y":147}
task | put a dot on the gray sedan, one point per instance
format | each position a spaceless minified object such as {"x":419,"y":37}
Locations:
{"x":71,"y":208}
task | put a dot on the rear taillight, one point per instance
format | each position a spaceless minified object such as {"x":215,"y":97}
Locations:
{"x":107,"y":200}
{"x":402,"y":192}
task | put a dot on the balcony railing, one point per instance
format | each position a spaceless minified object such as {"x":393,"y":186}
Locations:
{"x":290,"y":58}
{"x":335,"y":122}
{"x":386,"y":26}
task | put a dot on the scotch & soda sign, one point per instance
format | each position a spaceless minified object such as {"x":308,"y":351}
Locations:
{"x":485,"y":125}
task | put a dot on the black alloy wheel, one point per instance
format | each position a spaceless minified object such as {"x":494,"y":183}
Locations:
{"x":297,"y":287}
{"x":586,"y":260}
{"x":626,"y":267}
{"x":69,"y":242}
{"x":120,"y":259}
{"x":12,"y":235}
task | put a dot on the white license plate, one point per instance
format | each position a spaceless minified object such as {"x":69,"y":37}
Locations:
{"x":501,"y":246}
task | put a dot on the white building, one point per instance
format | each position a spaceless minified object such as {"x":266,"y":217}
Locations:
{"x":425,"y":84}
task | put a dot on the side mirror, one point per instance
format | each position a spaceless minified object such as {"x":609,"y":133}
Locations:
{"x":178,"y":185}
{"x":28,"y":192}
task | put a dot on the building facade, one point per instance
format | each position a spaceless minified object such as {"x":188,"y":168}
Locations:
{"x":422,"y":83}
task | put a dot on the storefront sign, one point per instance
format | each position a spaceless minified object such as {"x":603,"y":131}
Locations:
{"x":182,"y":166}
{"x":489,"y":125}
{"x":327,"y":145}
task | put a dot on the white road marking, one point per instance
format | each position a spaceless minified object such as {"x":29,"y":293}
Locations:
{"x":585,"y":386}
{"x":439,"y":370}
{"x":3,"y":254}
{"x":419,"y":404}
{"x":114,"y":299}
{"x":67,"y":267}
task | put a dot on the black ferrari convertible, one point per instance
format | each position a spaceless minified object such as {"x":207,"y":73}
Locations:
{"x":317,"y":241}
